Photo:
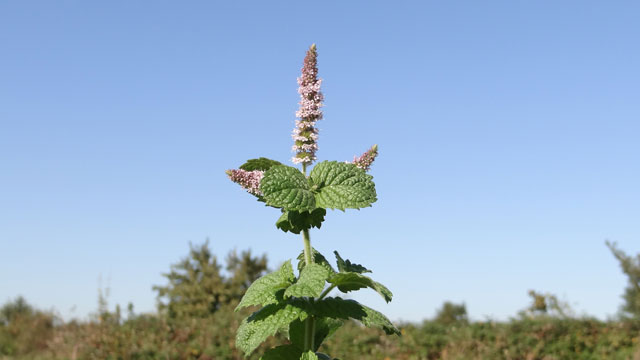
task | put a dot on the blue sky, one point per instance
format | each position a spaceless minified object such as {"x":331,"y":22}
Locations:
{"x":508,"y":133}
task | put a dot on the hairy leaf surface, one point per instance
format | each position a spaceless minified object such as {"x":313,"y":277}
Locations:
{"x":296,"y":221}
{"x":266,"y":322}
{"x":339,"y":308}
{"x":309,"y":355}
{"x":342,"y":186}
{"x":318,"y":258}
{"x":263,"y":291}
{"x":350,"y":281}
{"x":286,"y":187}
{"x":311,"y":282}
{"x":348,"y":266}
{"x":261,"y":163}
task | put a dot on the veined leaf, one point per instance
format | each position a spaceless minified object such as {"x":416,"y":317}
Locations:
{"x":263,"y":291}
{"x":283,"y":352}
{"x":350,"y":281}
{"x":296,"y":221}
{"x":261,"y":163}
{"x":286,"y":187}
{"x":339,"y":308}
{"x":318,"y":258}
{"x":311,"y":282}
{"x":266,"y":322}
{"x":347,"y":266}
{"x":342,"y":186}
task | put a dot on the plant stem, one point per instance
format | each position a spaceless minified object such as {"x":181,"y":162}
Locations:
{"x":310,"y":324}
{"x":326,"y":292}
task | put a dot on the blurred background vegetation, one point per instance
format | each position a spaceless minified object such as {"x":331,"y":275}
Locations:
{"x":195,"y":320}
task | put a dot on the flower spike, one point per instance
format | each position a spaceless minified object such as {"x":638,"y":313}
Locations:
{"x":305,"y":134}
{"x":365,"y":160}
{"x":249,"y":180}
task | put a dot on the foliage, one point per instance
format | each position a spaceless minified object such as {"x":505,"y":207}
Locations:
{"x":198,"y":288}
{"x":631,"y":268}
{"x":158,"y":337}
{"x":451,"y":313}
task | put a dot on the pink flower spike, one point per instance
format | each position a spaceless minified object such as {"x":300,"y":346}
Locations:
{"x":365,"y":160}
{"x":305,"y":134}
{"x":249,"y":180}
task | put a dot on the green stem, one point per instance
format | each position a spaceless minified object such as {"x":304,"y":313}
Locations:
{"x":309,"y":329}
{"x":326,"y":292}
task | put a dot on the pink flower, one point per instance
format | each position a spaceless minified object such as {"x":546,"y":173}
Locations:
{"x":305,"y":134}
{"x":250,"y":180}
{"x":365,"y":160}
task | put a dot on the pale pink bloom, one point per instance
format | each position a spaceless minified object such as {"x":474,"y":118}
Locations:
{"x":305,"y":134}
{"x":250,"y":180}
{"x":365,"y":160}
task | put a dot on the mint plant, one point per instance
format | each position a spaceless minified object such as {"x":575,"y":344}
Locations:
{"x":300,"y":306}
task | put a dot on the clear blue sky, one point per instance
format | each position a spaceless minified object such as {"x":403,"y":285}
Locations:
{"x":509,"y":136}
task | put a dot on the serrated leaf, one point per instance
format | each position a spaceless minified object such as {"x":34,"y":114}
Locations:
{"x":339,"y":308}
{"x":263,"y":291}
{"x":296,"y":221}
{"x":342,"y":186}
{"x":350,"y":281}
{"x":311,"y":282}
{"x":286,"y":187}
{"x":266,"y":322}
{"x":283,"y":352}
{"x":309,"y":355}
{"x":348,"y":266}
{"x":325,"y":327}
{"x":261,"y":163}
{"x":318,"y":258}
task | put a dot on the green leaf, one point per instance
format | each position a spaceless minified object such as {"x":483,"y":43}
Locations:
{"x":262,"y":163}
{"x":347,"y":266}
{"x":318,"y":258}
{"x":296,"y":221}
{"x":283,"y":352}
{"x":266,"y":322}
{"x":350,"y":281}
{"x":264,"y":290}
{"x":311,"y":282}
{"x":342,"y":186}
{"x":309,"y":355}
{"x":286,"y":187}
{"x":339,"y":308}
{"x":325,"y":327}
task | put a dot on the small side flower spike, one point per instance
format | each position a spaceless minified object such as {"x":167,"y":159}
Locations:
{"x":249,"y":180}
{"x":365,"y":160}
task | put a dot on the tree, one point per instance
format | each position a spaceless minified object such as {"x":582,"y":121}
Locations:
{"x":630,"y":267}
{"x":451,"y":313}
{"x":197,"y":288}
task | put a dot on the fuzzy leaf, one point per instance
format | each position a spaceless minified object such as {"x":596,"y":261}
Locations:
{"x":347,"y":266}
{"x":296,"y":221}
{"x":266,"y":322}
{"x":286,"y":187}
{"x":309,"y":355}
{"x":325,"y":327}
{"x":339,"y":308}
{"x":311,"y":282}
{"x":350,"y":281}
{"x":317,"y":259}
{"x":262,"y":164}
{"x":263,"y":291}
{"x":283,"y":352}
{"x":342,"y":186}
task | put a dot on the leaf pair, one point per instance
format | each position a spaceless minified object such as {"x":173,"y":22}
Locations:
{"x":331,"y":184}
